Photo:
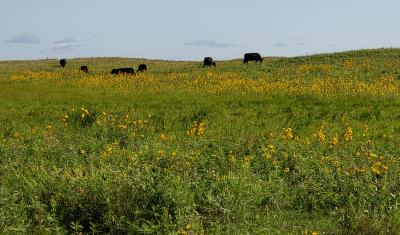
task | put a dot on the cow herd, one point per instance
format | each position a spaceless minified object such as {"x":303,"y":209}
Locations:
{"x":208,"y":62}
{"x":141,"y":68}
{"x":85,"y":69}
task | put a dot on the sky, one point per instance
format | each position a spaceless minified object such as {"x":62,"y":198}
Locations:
{"x":193,"y":29}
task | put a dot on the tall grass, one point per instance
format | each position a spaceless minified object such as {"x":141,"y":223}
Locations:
{"x":182,"y":149}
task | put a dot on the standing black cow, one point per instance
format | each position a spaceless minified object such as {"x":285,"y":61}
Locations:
{"x":123,"y":70}
{"x":208,"y":61}
{"x":63,"y":62}
{"x":252,"y":57}
{"x":142,"y":68}
{"x":84,"y":69}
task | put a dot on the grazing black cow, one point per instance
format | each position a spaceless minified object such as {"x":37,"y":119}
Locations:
{"x":252,"y":57}
{"x":63,"y":62}
{"x":142,"y":68}
{"x":208,"y":61}
{"x":84,"y":69}
{"x":123,"y":70}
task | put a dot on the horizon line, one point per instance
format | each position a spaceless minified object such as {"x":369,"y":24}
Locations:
{"x":177,"y":60}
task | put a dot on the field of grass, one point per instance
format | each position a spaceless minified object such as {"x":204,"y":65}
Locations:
{"x":303,"y":145}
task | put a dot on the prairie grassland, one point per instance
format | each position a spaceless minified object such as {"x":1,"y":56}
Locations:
{"x":304,"y":145}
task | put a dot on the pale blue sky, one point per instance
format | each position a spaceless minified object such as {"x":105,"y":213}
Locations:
{"x":193,"y":29}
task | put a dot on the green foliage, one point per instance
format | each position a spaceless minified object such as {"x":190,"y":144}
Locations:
{"x":79,"y":160}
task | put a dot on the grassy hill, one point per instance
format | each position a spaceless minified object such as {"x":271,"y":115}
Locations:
{"x":292,"y":145}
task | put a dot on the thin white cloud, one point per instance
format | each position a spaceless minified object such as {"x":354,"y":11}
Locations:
{"x":25,"y":38}
{"x":302,"y":44}
{"x":64,"y":46}
{"x":208,"y":43}
{"x":65,"y":40}
{"x":67,"y":43}
{"x":280,"y":44}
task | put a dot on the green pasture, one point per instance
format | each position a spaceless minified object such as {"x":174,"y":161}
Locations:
{"x":92,"y":160}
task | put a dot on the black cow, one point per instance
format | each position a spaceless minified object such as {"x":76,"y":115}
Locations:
{"x":84,"y":69}
{"x":123,"y":70}
{"x":142,"y":68}
{"x":63,"y":62}
{"x":252,"y":57}
{"x":208,"y":61}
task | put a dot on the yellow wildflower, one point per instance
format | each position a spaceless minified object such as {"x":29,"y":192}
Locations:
{"x":122,"y":126}
{"x":348,"y":135}
{"x":163,"y":137}
{"x":286,"y":170}
{"x":271,"y":148}
{"x":288,"y":133}
{"x":335,"y":139}
{"x":365,"y":130}
{"x":161,"y":153}
{"x":198,"y":129}
{"x":378,"y":168}
{"x":201,"y":128}
{"x":48,"y":130}
{"x":320,"y":134}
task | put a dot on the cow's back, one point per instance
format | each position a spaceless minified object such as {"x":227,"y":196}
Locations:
{"x":208,"y":61}
{"x":84,"y":68}
{"x":142,"y":67}
{"x":252,"y":57}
